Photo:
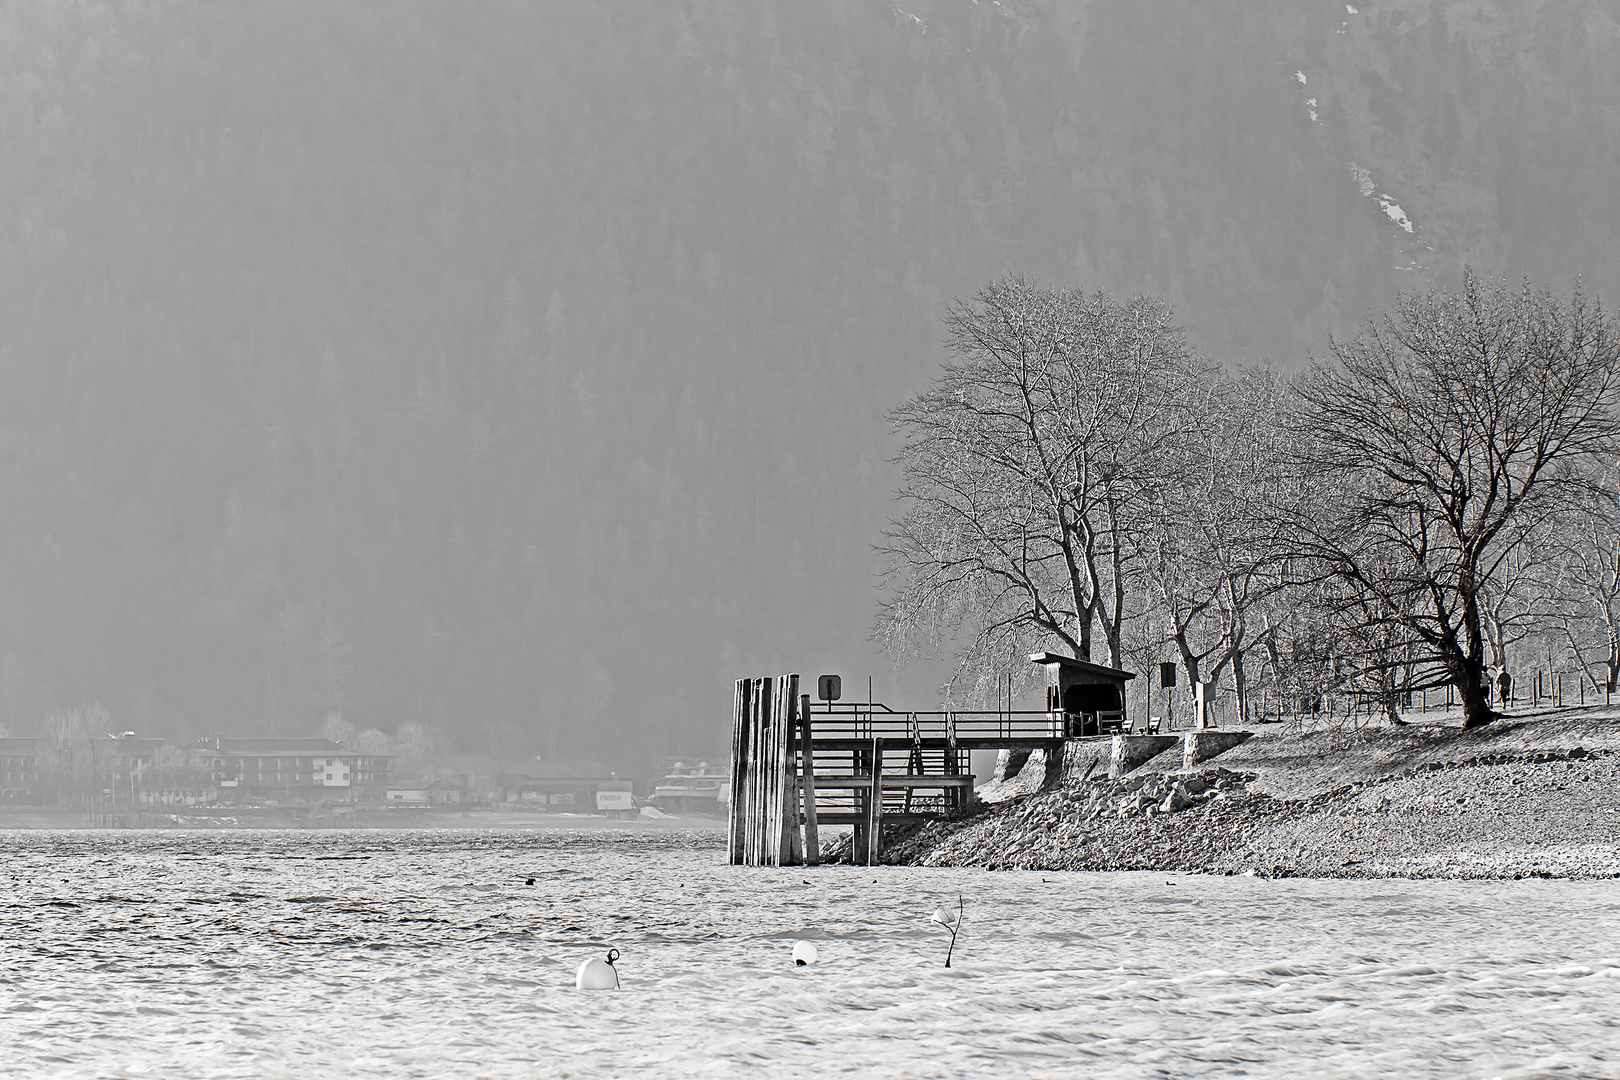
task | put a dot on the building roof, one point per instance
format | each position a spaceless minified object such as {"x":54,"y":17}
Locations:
{"x":564,"y":770}
{"x":21,"y":746}
{"x":131,"y":744}
{"x":287,"y":747}
{"x":1082,"y":665}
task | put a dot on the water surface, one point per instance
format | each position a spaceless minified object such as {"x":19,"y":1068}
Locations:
{"x":427,"y":953}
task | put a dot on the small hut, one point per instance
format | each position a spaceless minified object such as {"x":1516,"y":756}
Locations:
{"x":1091,"y":697}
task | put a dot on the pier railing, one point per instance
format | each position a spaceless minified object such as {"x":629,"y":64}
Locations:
{"x":869,"y":720}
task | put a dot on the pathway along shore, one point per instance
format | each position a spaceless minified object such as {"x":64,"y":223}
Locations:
{"x":1534,"y":795}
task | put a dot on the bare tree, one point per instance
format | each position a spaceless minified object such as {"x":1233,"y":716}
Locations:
{"x":76,"y":748}
{"x":419,"y":748}
{"x":1024,"y":464}
{"x":1211,"y":547}
{"x":338,"y":729}
{"x":1445,"y":434}
{"x":1584,"y":585}
{"x":1514,"y":599}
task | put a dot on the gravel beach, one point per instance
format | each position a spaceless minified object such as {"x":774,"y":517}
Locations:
{"x":1521,"y":799}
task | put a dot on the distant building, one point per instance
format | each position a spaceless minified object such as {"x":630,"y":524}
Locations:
{"x":561,"y":784}
{"x":21,"y":771}
{"x":422,"y":793}
{"x":154,"y":772}
{"x":126,"y":770}
{"x":295,"y":771}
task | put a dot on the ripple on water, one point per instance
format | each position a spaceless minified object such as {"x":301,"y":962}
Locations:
{"x":418,"y":952}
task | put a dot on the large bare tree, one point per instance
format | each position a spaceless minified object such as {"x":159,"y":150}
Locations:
{"x":1446,"y":433}
{"x":1025,"y":463}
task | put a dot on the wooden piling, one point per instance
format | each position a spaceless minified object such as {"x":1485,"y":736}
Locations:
{"x":736,"y":832}
{"x":874,"y":807}
{"x":784,"y":773}
{"x":807,"y":755}
{"x":764,"y":818}
{"x":755,"y":823}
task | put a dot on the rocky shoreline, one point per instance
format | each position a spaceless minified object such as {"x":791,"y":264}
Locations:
{"x":1551,"y":812}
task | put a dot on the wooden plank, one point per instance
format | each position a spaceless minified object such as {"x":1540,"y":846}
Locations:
{"x":812,"y":834}
{"x":763,"y":857}
{"x":751,"y":781}
{"x":739,"y":797}
{"x":756,"y":793}
{"x":787,"y":783}
{"x":892,"y":782}
{"x":860,"y":743}
{"x":771,"y":836}
{"x":762,"y":794}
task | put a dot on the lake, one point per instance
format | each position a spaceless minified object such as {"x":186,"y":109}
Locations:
{"x":427,"y":953}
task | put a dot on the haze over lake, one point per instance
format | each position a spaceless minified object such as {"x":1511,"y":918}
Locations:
{"x":519,"y":371}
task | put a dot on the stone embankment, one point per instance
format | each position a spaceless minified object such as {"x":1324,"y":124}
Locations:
{"x":1401,"y":808}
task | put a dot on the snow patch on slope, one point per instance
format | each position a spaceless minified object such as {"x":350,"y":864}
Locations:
{"x":1395,"y":213}
{"x":1391,"y":208}
{"x":916,"y":23}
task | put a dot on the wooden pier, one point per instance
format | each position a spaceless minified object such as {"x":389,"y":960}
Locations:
{"x":797,"y":766}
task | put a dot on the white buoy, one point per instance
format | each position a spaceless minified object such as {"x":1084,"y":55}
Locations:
{"x":804,"y":954}
{"x":597,"y":974}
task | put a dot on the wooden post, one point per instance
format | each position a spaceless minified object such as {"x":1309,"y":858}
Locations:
{"x":770,"y":838}
{"x":874,"y":807}
{"x":736,"y":832}
{"x":786,"y":842}
{"x":807,"y":754}
{"x":766,"y":756}
{"x":756,"y":795}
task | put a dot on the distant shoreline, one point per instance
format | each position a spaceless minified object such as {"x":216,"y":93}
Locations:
{"x":34,"y":818}
{"x":1532,"y":796}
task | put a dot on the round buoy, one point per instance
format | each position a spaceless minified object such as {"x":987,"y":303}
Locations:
{"x":597,"y":974}
{"x":804,"y":954}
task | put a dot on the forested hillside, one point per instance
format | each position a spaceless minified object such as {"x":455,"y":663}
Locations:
{"x":520,"y":369}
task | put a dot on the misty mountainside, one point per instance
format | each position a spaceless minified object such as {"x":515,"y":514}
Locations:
{"x":520,"y":369}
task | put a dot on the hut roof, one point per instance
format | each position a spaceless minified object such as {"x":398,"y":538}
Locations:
{"x":1082,"y":665}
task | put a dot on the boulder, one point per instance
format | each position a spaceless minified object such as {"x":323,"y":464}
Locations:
{"x":1177,"y":799}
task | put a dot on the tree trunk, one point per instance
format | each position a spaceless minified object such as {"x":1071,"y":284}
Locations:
{"x":1241,"y":686}
{"x":1477,"y":711}
{"x":1188,"y":660}
{"x":1614,"y":659}
{"x":1390,"y":687}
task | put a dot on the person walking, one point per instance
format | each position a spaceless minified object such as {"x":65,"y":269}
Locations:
{"x":1504,"y":687}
